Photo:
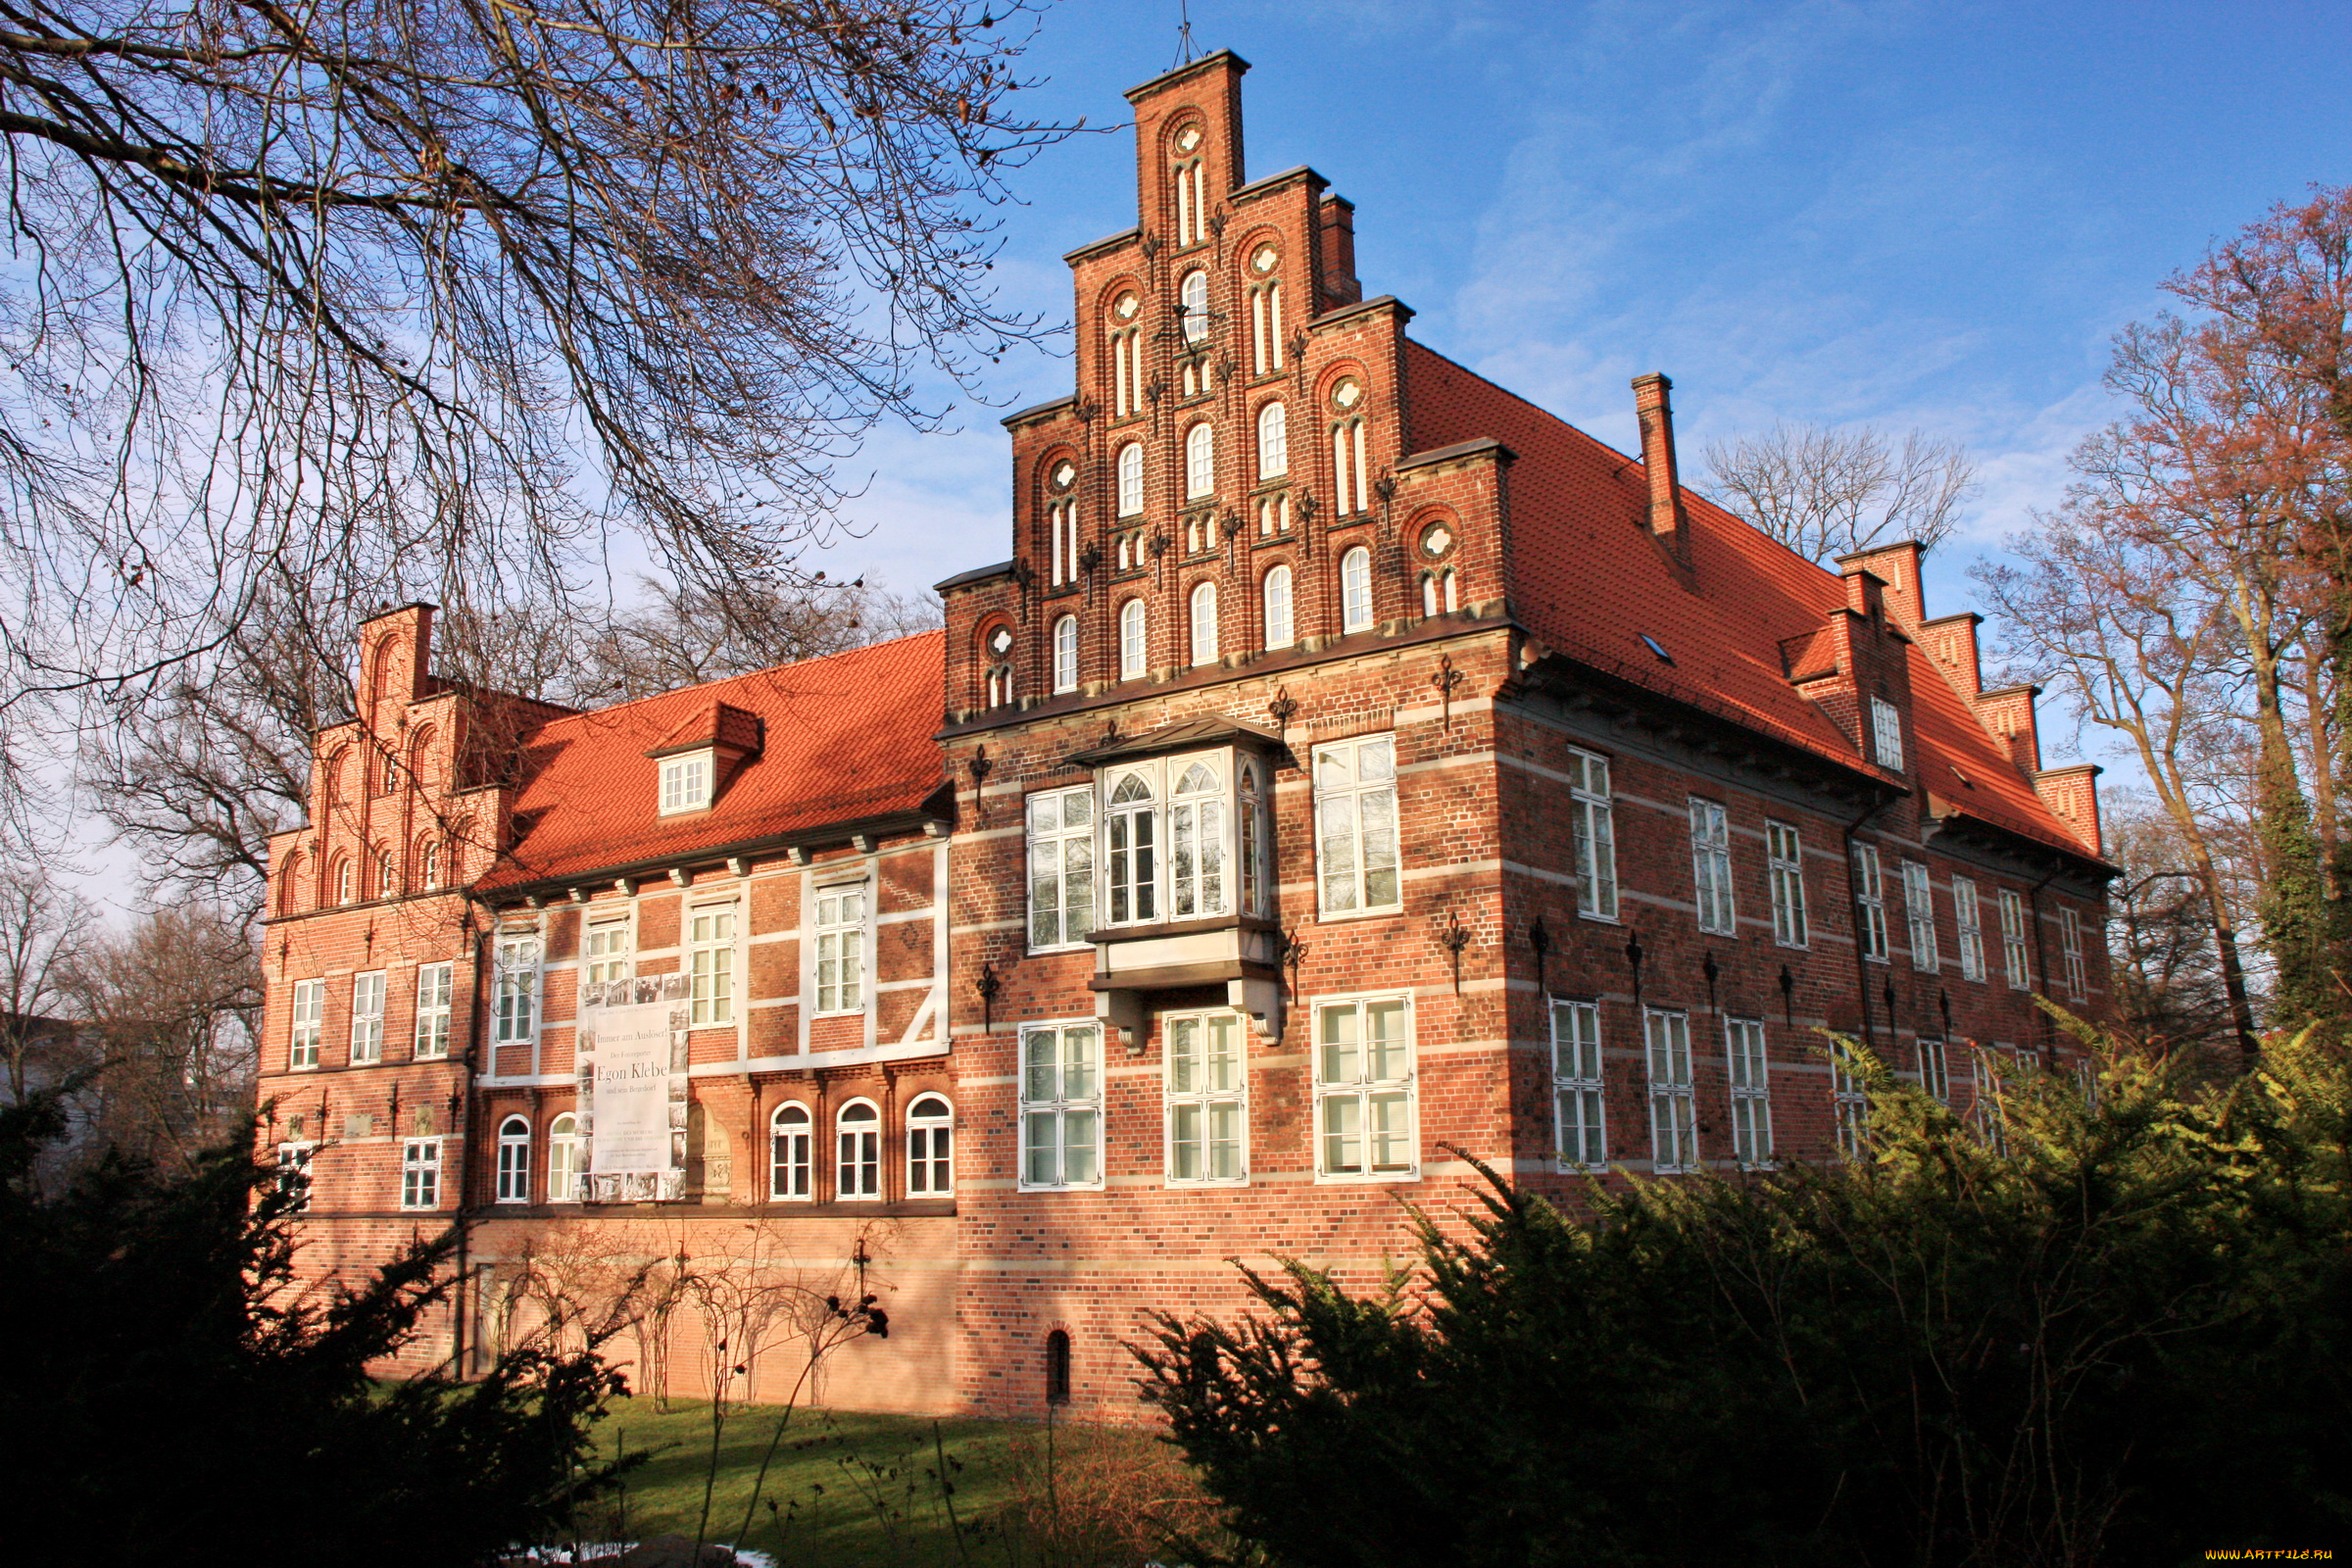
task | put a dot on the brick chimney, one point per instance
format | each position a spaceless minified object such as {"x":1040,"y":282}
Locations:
{"x":1341,"y":286}
{"x":1667,"y":520}
{"x":1897,"y":567}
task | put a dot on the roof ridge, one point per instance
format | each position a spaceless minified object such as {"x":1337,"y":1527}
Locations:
{"x":764,"y":669}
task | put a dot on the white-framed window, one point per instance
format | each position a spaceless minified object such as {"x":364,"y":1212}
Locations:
{"x":857,"y":1151}
{"x":436,"y":983}
{"x":1204,"y":624}
{"x":1199,"y":461}
{"x":1273,"y":442}
{"x":1265,"y":318}
{"x":514,"y":1161}
{"x":605,"y":950}
{"x":1197,"y":886}
{"x":1061,"y":522}
{"x":1205,"y":1090}
{"x":1750,"y":1071}
{"x":1364,"y":1090}
{"x":685,"y":783}
{"x":1193,"y":305}
{"x":387,"y":876}
{"x":1849,"y":1104}
{"x":1066,"y":653}
{"x":1061,"y":866}
{"x":428,"y":865}
{"x":1919,"y":914}
{"x":841,"y":948}
{"x":711,"y":960}
{"x":1062,"y":1106}
{"x":1886,"y":734}
{"x":1673,"y":1112}
{"x":1355,"y":825}
{"x":1593,"y":824}
{"x":1934,"y":1070}
{"x":367,"y":1017}
{"x":347,"y":882}
{"x":1969,"y":915}
{"x":1281,"y":628}
{"x":563,"y":1159}
{"x":1356,"y":590}
{"x":1131,"y":848}
{"x":2070,"y":953}
{"x":791,"y":1154}
{"x":930,"y":1147}
{"x":420,"y":1173}
{"x":1870,"y":904}
{"x":1711,"y":867}
{"x":1131,"y":479}
{"x":1256,"y":832}
{"x":1133,"y":650}
{"x":294,"y":1174}
{"x":1347,"y":467}
{"x":514,"y":998}
{"x":1785,"y":866}
{"x":2013,"y":941}
{"x":1579,"y":1116}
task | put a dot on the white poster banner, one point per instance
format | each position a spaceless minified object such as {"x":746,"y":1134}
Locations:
{"x":631,"y":1067}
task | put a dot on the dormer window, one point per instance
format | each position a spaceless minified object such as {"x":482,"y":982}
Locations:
{"x":686,"y":783}
{"x":1886,"y":734}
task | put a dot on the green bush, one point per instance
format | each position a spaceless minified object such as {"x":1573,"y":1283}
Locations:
{"x":170,"y":1400}
{"x":2123,"y":1340}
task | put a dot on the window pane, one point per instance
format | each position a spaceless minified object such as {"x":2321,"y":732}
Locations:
{"x":1392,"y":1132}
{"x":1338,"y":1058}
{"x":1078,"y":1146}
{"x":1342,"y":1134}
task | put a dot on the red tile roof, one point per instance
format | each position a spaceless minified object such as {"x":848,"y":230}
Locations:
{"x":848,"y":738}
{"x":1589,"y":579}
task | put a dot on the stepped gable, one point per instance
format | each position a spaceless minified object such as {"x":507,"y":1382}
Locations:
{"x":1591,"y":579}
{"x":831,"y":741}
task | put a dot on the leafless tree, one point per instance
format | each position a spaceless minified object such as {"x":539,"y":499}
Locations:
{"x":428,"y":298}
{"x":1826,"y":493}
{"x":43,"y":930}
{"x":2171,"y":988}
{"x":684,"y":635}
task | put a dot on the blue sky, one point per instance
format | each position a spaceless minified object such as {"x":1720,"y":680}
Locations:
{"x":1909,"y":215}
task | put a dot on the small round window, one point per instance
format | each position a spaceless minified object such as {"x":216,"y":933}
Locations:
{"x":1437,"y":541}
{"x":999,"y":641}
{"x":1126,"y":307}
{"x":1262,"y":259}
{"x":1348,"y":394}
{"x":1188,"y":138}
{"x":1064,"y":473}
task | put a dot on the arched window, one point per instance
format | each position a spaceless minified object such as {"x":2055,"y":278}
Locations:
{"x":420,"y":757}
{"x":563,"y":1159}
{"x":790,"y":1153}
{"x":1356,"y":590}
{"x":1131,"y":479}
{"x":1280,"y":630}
{"x":1197,"y":845}
{"x":1058,"y":1367}
{"x":1273,"y":515}
{"x":1199,"y":461}
{"x":346,"y":881}
{"x":1066,"y":653}
{"x":1204,"y":624}
{"x":1131,"y":838}
{"x":1348,"y":485}
{"x":1256,"y":840}
{"x":338,"y":786}
{"x":1132,"y":652}
{"x":1126,"y":357}
{"x":930,"y":1148}
{"x":289,"y":884}
{"x":428,"y":865}
{"x":387,"y":875}
{"x":1439,"y":594}
{"x":1273,"y":442}
{"x":857,"y":1165}
{"x":514,"y":1161}
{"x":1193,"y":305}
{"x":1265,"y":312}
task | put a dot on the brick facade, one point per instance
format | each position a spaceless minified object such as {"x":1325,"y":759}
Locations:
{"x":1252,"y":874}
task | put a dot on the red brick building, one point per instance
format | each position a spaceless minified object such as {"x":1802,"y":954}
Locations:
{"x":1353,"y":768}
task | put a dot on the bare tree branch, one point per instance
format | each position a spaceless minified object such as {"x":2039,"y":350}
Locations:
{"x":1826,"y":493}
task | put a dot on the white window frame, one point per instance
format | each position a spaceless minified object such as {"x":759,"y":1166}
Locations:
{"x":1273,"y":441}
{"x":791,"y":1155}
{"x":686,"y":782}
{"x":1747,"y":1063}
{"x":1919,"y":916}
{"x":1356,"y":590}
{"x":1204,"y":624}
{"x":429,"y":867}
{"x":1849,"y":1105}
{"x":857,"y":1152}
{"x":1279,"y":605}
{"x":420,"y":1174}
{"x":1075,"y":1120}
{"x":2070,"y":955}
{"x":1711,"y":867}
{"x":514,"y":990}
{"x":1579,"y":1115}
{"x":1593,"y":814}
{"x":564,"y":1159}
{"x":367,"y":1017}
{"x":2014,"y":958}
{"x":1199,"y":460}
{"x":1191,"y":302}
{"x":1886,"y":734}
{"x":607,"y":951}
{"x":710,"y":965}
{"x":1870,"y":904}
{"x":1936,"y":1070}
{"x":1129,"y":858}
{"x":1066,"y":653}
{"x":1131,"y":479}
{"x":1192,"y":1088}
{"x":1785,"y":866}
{"x":1968,"y":917}
{"x":436,"y":986}
{"x":1197,"y":856}
{"x":514,"y":1161}
{"x":1134,"y":641}
{"x":839,"y":945}
{"x":1347,"y":1081}
{"x":306,"y":1016}
{"x":1672,"y":1091}
{"x":931,"y":1146}
{"x":1341,"y":813}
{"x":294,"y":1172}
{"x":1061,"y":867}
